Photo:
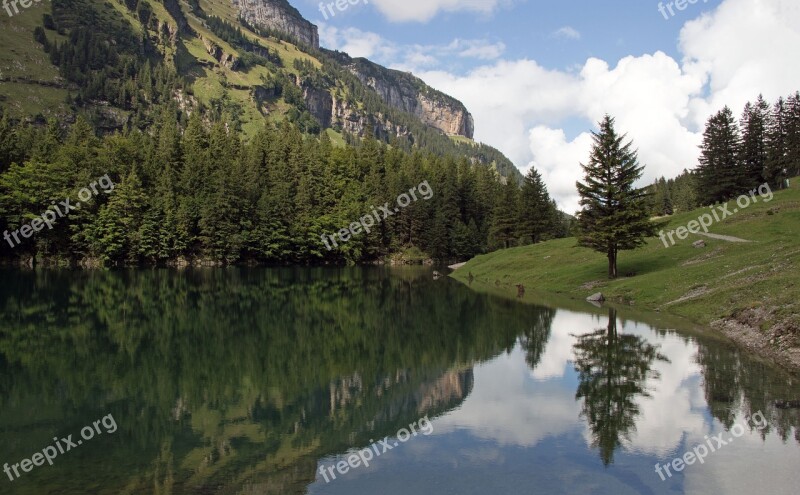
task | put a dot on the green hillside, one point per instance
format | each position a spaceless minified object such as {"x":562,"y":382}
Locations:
{"x":731,"y":285}
{"x":200,"y":56}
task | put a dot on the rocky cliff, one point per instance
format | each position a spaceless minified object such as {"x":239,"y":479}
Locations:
{"x":278,"y":15}
{"x":405,"y":92}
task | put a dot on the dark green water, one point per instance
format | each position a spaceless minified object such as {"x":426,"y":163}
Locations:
{"x":251,"y":381}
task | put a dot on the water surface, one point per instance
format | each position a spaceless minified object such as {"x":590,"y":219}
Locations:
{"x":244,"y":381}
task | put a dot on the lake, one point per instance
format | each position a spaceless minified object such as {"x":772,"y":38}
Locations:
{"x":289,"y":380}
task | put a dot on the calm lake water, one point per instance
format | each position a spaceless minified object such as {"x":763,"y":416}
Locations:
{"x":252,"y":381}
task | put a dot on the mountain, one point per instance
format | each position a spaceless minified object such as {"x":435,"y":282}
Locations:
{"x":253,"y":61}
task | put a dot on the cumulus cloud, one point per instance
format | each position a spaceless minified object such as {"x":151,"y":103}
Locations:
{"x":730,"y":55}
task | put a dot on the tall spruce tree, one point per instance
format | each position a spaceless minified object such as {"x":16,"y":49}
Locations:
{"x":754,"y":124}
{"x":793,"y":134}
{"x":536,"y":217}
{"x":719,"y":174}
{"x":504,"y":220}
{"x":777,"y":144}
{"x":614,"y":215}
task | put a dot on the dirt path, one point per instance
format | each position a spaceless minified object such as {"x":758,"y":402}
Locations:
{"x":724,"y":237}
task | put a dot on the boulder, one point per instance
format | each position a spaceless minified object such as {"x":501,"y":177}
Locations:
{"x":699,"y":244}
{"x":599,"y":297}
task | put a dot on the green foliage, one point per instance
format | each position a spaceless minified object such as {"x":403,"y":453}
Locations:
{"x":198,"y":190}
{"x":720,"y":174}
{"x":614,"y":213}
{"x":538,"y":214}
{"x":766,"y":150}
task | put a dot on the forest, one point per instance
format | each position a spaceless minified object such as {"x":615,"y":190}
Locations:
{"x":206,"y":194}
{"x":763,"y":147}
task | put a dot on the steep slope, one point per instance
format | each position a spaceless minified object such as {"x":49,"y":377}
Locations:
{"x":251,"y":61}
{"x":278,"y":16}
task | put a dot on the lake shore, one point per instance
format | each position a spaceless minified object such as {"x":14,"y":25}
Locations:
{"x":747,"y":292}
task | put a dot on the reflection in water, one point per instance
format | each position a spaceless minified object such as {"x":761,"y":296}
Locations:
{"x":612,"y":369}
{"x":231,"y":378}
{"x":241,"y":381}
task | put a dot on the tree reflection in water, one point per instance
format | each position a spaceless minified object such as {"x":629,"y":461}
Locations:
{"x":613,"y":369}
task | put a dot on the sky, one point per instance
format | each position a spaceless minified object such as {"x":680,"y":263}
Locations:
{"x":538,"y":75}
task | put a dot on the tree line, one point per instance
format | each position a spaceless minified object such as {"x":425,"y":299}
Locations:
{"x":200,"y":191}
{"x":764,"y":147}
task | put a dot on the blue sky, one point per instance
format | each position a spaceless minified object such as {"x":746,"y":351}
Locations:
{"x":609,"y":29}
{"x":538,"y":75}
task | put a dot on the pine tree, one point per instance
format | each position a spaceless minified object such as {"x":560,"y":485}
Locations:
{"x":505,"y":216}
{"x":754,"y":125}
{"x":793,"y":135}
{"x":719,"y":174}
{"x":536,"y":218}
{"x":777,"y":144}
{"x":614,"y":215}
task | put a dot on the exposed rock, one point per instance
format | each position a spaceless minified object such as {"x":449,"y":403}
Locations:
{"x":434,"y":108}
{"x":320,"y":105}
{"x":408,"y":93}
{"x":699,"y":244}
{"x":225,"y":59}
{"x":174,"y":9}
{"x":278,"y":15}
{"x":599,"y":297}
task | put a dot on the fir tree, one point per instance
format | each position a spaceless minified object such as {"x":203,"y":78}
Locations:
{"x":614,"y":215}
{"x":777,"y":144}
{"x":536,"y":217}
{"x":720,"y":175}
{"x":754,"y":124}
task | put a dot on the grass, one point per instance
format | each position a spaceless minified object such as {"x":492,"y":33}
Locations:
{"x":719,"y":281}
{"x":24,"y":61}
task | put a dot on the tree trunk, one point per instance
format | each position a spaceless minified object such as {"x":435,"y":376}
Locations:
{"x":612,"y":262}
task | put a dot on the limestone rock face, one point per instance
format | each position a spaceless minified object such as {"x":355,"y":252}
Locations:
{"x":410,"y":94}
{"x":278,"y":15}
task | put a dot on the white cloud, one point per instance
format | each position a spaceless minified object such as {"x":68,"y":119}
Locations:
{"x":358,"y":43}
{"x":730,"y":55}
{"x":425,"y":10}
{"x":743,"y":48}
{"x":567,"y":32}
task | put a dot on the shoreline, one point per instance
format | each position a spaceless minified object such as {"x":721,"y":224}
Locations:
{"x":740,"y":332}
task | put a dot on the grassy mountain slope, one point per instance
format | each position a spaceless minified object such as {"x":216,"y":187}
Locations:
{"x":251,"y":75}
{"x":748,"y":291}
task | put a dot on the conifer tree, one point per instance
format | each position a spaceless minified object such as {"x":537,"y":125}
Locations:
{"x":536,"y":217}
{"x":505,"y":215}
{"x":614,"y":215}
{"x":777,"y":144}
{"x":754,"y":124}
{"x":720,"y":175}
{"x":793,"y":135}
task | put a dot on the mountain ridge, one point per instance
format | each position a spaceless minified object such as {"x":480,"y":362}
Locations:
{"x":254,"y":61}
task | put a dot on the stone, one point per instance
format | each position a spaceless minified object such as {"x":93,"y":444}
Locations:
{"x":599,"y":297}
{"x":699,"y":244}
